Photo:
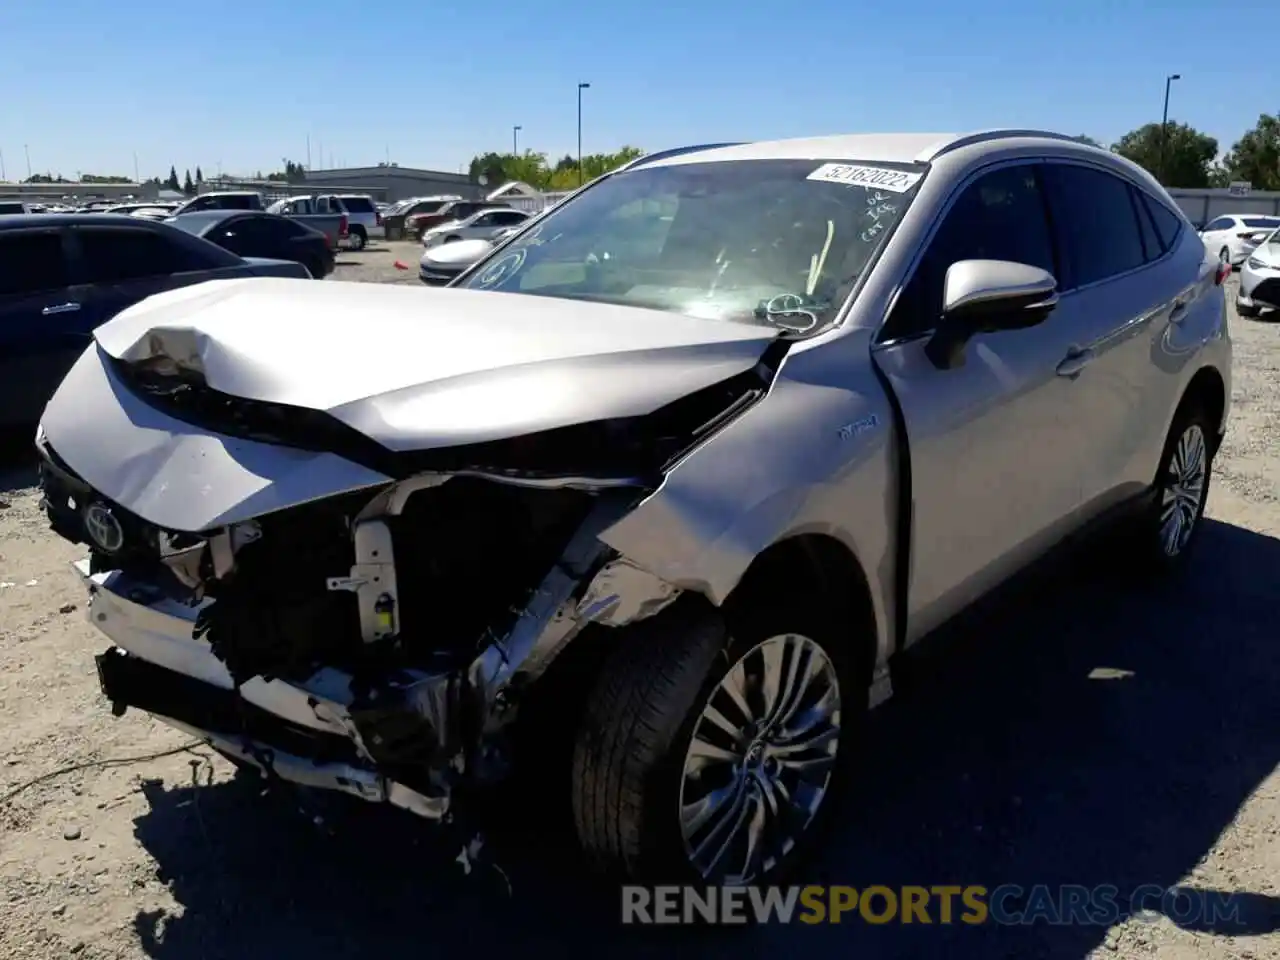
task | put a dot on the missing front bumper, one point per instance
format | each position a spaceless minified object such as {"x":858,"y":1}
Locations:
{"x":305,"y":734}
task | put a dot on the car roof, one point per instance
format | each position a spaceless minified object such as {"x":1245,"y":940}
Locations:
{"x":208,"y":217}
{"x":869,"y":147}
{"x":12,"y":221}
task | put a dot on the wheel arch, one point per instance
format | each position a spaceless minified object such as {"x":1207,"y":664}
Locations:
{"x":1208,"y":389}
{"x":830,"y":564}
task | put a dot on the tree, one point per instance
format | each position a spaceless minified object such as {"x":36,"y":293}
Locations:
{"x":172,"y":183}
{"x":533,"y":168}
{"x":188,"y":187}
{"x":1255,"y":157}
{"x":199,"y":175}
{"x":1179,"y":159}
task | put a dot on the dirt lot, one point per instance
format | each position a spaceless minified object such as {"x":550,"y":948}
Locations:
{"x":1007,"y":764}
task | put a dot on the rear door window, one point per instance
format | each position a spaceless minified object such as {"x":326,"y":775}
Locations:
{"x":33,"y":262}
{"x":1168,"y":224}
{"x":1095,"y":221}
{"x":119,"y":255}
{"x":1222,"y":223}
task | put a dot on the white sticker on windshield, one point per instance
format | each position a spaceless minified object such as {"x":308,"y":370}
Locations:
{"x":896,"y":181}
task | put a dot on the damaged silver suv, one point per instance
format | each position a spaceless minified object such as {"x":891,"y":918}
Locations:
{"x":711,"y":442}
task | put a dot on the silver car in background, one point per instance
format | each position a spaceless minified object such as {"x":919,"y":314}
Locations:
{"x":668,"y":479}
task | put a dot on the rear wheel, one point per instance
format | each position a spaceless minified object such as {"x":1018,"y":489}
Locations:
{"x":710,"y":759}
{"x":358,"y":239}
{"x":1168,"y":528}
{"x":1224,"y":256}
{"x":316,"y":269}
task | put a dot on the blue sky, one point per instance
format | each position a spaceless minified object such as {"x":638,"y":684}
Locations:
{"x":88,"y":84}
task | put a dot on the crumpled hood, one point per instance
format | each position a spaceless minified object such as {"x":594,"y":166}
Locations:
{"x":416,"y":368}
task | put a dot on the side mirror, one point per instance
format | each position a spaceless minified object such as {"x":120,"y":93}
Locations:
{"x":988,"y":296}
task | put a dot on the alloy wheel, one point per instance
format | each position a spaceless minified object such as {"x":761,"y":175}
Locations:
{"x":761,"y":758}
{"x":1182,"y":493}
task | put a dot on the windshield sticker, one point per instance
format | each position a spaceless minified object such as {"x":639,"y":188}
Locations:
{"x":501,"y":269}
{"x":895,"y":181}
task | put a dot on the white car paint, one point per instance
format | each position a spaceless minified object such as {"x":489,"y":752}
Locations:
{"x":1233,"y":237}
{"x":1263,"y":264}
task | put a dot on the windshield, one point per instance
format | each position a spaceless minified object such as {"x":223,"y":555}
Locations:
{"x":776,"y":242}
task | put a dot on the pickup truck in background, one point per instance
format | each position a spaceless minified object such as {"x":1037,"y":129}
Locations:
{"x":223,"y":200}
{"x":324,"y":213}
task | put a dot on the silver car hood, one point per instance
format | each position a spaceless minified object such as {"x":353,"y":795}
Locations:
{"x":416,"y":369}
{"x":463,"y":253}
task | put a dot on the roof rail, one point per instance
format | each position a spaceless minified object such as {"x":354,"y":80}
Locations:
{"x":981,"y":136}
{"x":676,"y":152}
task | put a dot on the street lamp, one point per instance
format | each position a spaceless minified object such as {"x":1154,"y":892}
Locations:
{"x":581,"y":87}
{"x":1164,"y":124}
{"x":515,"y":140}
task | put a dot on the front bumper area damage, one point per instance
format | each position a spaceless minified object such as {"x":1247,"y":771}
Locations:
{"x":377,"y":644}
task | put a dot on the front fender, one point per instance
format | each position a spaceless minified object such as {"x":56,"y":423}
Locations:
{"x":817,"y":455}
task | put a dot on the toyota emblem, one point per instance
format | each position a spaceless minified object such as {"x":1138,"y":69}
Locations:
{"x":103,"y":528}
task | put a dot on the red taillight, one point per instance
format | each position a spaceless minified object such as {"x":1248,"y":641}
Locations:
{"x":342,"y":226}
{"x":1224,"y":271}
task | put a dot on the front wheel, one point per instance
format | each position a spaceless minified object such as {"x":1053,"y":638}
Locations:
{"x":1249,"y":313}
{"x":1224,"y":256}
{"x":704,"y":758}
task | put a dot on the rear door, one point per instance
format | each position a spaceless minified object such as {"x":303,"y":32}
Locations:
{"x":117,"y":266}
{"x":41,"y":327}
{"x":1126,"y":286}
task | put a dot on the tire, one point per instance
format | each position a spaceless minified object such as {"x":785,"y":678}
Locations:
{"x":1224,"y":256}
{"x":633,"y":746}
{"x":315,"y":269}
{"x":1160,"y":549}
{"x":358,"y":239}
{"x":453,"y":237}
{"x":1249,"y":313}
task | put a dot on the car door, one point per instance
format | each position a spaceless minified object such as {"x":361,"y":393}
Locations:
{"x":117,"y":266}
{"x":1124,"y":292}
{"x":991,"y":446}
{"x":41,"y":329}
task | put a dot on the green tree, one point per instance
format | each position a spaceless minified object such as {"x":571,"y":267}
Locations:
{"x":1255,"y":157}
{"x":1178,"y":156}
{"x":188,"y":187}
{"x":199,"y":175}
{"x":172,"y":183}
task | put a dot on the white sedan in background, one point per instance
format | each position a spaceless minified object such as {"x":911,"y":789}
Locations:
{"x":1233,"y":237}
{"x":484,"y":225}
{"x":1260,"y":279}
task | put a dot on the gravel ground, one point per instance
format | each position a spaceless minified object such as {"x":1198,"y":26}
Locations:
{"x":1007,"y":764}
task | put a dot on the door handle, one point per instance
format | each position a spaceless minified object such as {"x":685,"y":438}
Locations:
{"x":1075,"y":361}
{"x":60,"y":308}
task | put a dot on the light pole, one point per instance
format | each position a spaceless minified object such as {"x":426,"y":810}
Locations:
{"x":3,"y":176}
{"x":581,"y":87}
{"x":27,"y":151}
{"x":515,"y":141}
{"x":1164,"y":125}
